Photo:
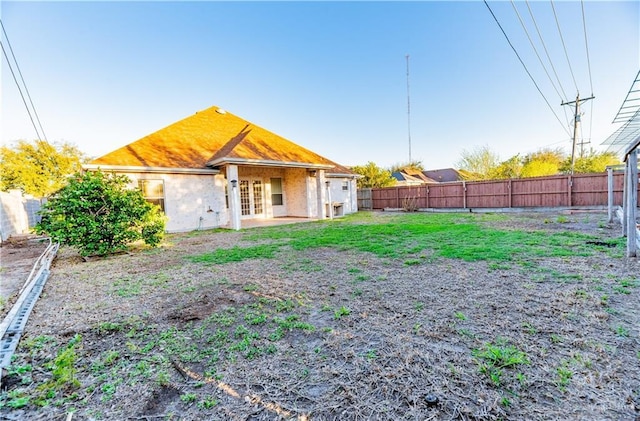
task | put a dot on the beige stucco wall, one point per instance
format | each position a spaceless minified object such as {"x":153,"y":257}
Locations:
{"x":295,"y":187}
{"x":192,"y":201}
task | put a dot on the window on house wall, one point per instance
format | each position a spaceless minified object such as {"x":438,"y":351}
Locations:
{"x":276,"y":192}
{"x":153,"y":191}
{"x":345,"y":185}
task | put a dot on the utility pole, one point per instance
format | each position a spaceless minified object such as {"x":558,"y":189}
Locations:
{"x":408,"y":110}
{"x":576,"y":121}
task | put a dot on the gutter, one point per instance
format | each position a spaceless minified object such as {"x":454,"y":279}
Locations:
{"x":165,"y":170}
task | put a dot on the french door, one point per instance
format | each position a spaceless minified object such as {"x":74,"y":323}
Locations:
{"x":251,"y":198}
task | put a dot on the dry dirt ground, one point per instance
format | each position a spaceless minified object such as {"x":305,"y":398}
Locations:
{"x":554,"y":338}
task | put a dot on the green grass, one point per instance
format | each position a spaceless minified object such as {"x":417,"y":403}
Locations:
{"x":235,"y":254}
{"x":454,"y":236}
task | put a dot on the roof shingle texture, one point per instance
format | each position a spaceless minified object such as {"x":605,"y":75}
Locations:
{"x":209,"y":135}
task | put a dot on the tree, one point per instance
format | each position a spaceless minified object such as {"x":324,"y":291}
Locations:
{"x":480,"y":162}
{"x":413,"y":166}
{"x":99,"y":214}
{"x":591,"y":162}
{"x":511,"y":168}
{"x":38,"y":168}
{"x":543,"y":162}
{"x":373,"y":176}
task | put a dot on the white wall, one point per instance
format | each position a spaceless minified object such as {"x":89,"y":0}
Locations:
{"x":192,"y":201}
{"x":348,"y":197}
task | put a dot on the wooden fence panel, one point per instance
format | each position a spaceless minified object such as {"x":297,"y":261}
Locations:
{"x":540,"y":192}
{"x":446,"y":195}
{"x":488,"y":194}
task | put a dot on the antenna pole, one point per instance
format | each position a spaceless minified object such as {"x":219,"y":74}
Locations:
{"x":408,"y":110}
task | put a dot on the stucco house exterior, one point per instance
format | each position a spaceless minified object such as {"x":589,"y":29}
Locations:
{"x":215,"y":169}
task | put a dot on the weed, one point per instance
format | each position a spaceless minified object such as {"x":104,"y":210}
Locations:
{"x":418,"y":306}
{"x":622,"y":331}
{"x":412,"y":262}
{"x":505,"y":402}
{"x":564,"y":377}
{"x":371,"y":354}
{"x":109,"y":327}
{"x":250,"y":287}
{"x":529,"y":328}
{"x":342,"y":311}
{"x":460,"y":315}
{"x":357,"y":292}
{"x":188,"y":397}
{"x":556,"y":338}
{"x":207,"y":403}
{"x":493,"y":358}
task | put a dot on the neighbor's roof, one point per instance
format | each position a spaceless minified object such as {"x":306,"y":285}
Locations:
{"x":445,"y":175}
{"x":213,"y":138}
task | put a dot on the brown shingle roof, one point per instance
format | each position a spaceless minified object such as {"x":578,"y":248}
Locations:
{"x":213,"y":137}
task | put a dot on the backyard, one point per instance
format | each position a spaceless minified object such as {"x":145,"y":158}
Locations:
{"x":389,"y":316}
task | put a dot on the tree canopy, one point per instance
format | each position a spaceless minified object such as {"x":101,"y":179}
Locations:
{"x":99,"y":214}
{"x":373,"y":176}
{"x":484,"y":164}
{"x":479,"y":162}
{"x":38,"y":168}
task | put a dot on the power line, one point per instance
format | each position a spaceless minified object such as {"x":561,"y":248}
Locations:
{"x":535,"y":50}
{"x":586,"y":46}
{"x":525,"y":67}
{"x":23,"y":83}
{"x":544,"y":46}
{"x":563,"y":45}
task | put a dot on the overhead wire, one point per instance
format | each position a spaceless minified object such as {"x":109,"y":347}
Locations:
{"x":586,"y":46}
{"x":544,"y":46}
{"x":37,"y":118}
{"x":563,"y":45}
{"x":535,"y":50}
{"x":525,"y":67}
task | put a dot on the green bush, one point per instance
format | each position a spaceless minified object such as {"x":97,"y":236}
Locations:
{"x":100,"y":214}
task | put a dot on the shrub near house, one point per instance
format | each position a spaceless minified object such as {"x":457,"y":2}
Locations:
{"x":98,"y":214}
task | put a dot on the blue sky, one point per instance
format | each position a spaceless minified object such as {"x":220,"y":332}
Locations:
{"x":330,"y":76}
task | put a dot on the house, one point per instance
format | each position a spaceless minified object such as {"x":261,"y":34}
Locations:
{"x":215,"y":169}
{"x":408,"y":177}
{"x":446,"y":175}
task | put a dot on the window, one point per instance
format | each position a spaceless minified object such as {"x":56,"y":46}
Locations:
{"x":153,"y":191}
{"x":345,"y":185}
{"x":276,"y":192}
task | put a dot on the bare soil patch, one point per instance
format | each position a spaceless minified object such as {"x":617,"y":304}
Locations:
{"x":339,"y":334}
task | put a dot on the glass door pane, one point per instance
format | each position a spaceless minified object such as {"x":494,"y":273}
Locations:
{"x":257,"y":197}
{"x":245,"y":204}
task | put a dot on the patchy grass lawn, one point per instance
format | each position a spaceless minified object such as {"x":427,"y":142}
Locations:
{"x":371,"y":316}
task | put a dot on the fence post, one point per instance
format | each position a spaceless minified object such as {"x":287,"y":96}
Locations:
{"x":610,"y":195}
{"x":510,"y":193}
{"x":569,"y":186}
{"x":464,"y":194}
{"x":632,"y":202}
{"x":427,"y":190}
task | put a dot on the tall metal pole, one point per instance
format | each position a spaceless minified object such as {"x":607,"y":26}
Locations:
{"x":408,"y":110}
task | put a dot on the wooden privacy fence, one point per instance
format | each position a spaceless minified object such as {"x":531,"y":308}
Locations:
{"x":554,"y":191}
